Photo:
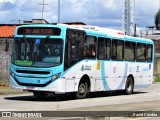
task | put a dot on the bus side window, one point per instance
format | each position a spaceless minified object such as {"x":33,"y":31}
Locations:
{"x":117,"y":49}
{"x":108,"y":49}
{"x":141,"y":52}
{"x":74,"y":52}
{"x":120,"y":48}
{"x":149,"y":53}
{"x":129,"y":54}
{"x":104,"y":48}
{"x":90,"y":47}
{"x":114,"y":50}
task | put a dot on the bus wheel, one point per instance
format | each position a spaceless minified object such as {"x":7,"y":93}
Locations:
{"x":40,"y":94}
{"x":129,"y":86}
{"x":82,"y":90}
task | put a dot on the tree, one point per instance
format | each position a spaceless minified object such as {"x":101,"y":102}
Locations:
{"x":157,"y":20}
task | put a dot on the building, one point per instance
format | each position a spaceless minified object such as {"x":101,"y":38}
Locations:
{"x":7,"y":31}
{"x":36,"y":21}
{"x":152,"y":33}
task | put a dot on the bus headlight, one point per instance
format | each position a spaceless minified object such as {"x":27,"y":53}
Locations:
{"x":56,"y":76}
{"x":12,"y":73}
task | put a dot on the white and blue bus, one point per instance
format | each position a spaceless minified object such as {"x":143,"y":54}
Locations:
{"x":79,"y":59}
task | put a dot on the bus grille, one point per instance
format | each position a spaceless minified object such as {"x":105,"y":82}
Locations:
{"x":33,"y":72}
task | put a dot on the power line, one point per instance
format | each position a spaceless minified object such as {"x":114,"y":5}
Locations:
{"x":59,"y":11}
{"x":19,"y":21}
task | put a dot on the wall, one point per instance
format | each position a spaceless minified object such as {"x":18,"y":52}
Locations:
{"x":4,"y":63}
{"x":157,"y":66}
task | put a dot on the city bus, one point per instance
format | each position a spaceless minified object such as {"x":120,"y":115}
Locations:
{"x":79,"y":59}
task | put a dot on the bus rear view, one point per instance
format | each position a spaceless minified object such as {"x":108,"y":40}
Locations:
{"x":37,"y":59}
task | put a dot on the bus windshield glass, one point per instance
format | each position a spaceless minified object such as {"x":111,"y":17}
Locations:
{"x":37,"y":52}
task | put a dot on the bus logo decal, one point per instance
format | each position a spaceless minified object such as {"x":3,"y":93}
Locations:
{"x":114,"y":69}
{"x":149,"y":66}
{"x":98,"y":65}
{"x":137,"y":69}
{"x":83,"y":68}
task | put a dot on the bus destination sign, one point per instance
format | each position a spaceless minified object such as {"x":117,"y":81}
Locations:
{"x":38,"y":31}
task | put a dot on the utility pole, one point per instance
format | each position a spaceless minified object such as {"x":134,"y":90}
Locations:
{"x":59,"y":2}
{"x":43,"y":4}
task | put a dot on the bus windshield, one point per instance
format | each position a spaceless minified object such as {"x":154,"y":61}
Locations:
{"x":37,"y":52}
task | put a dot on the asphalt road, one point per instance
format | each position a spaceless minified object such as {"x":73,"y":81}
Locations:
{"x":98,"y":104}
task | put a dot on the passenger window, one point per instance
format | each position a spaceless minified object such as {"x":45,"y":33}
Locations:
{"x":90,"y":47}
{"x":129,"y":54}
{"x":117,"y":49}
{"x":104,"y":48}
{"x":141,"y":52}
{"x":149,"y":53}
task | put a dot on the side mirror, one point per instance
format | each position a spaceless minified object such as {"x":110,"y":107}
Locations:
{"x":7,"y":46}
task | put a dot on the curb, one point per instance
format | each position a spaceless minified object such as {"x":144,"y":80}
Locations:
{"x":156,"y":83}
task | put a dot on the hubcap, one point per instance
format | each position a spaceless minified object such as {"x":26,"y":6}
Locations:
{"x":129,"y":86}
{"x":81,"y":88}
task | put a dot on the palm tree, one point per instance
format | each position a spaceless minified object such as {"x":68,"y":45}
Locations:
{"x":157,"y":20}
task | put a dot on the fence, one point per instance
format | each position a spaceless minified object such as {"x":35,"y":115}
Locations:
{"x":5,"y":61}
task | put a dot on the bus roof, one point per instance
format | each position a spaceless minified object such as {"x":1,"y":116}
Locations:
{"x":96,"y":30}
{"x":110,"y":32}
{"x":138,"y":39}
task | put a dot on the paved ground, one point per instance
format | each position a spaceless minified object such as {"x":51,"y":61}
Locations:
{"x":142,"y":100}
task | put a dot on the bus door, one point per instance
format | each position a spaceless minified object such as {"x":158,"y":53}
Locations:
{"x":73,"y":54}
{"x":74,"y":43}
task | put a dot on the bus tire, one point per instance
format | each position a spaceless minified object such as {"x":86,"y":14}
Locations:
{"x":129,"y":86}
{"x":82,"y":90}
{"x":40,"y":94}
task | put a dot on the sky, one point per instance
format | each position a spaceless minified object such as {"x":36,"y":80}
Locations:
{"x":104,"y":13}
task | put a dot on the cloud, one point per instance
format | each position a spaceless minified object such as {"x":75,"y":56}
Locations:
{"x":5,"y":6}
{"x":36,"y":5}
{"x":145,"y":12}
{"x":106,"y":13}
{"x":89,"y":11}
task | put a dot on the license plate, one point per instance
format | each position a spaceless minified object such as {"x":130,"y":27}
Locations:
{"x":30,"y":88}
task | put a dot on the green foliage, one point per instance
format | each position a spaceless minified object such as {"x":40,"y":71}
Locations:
{"x":157,"y":79}
{"x":157,"y":16}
